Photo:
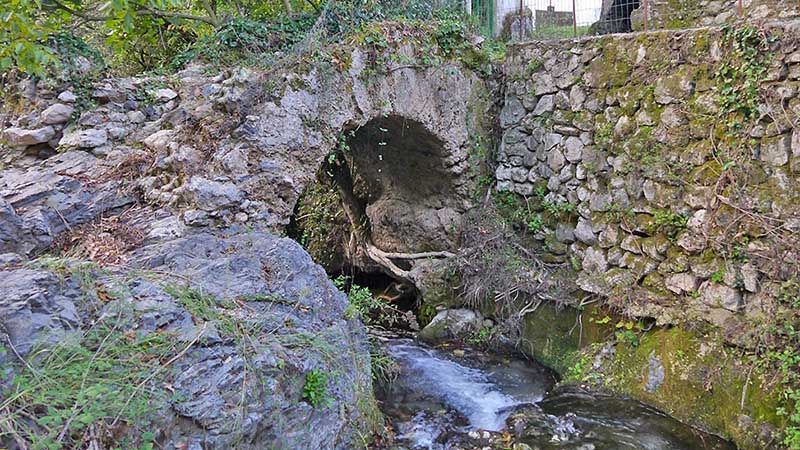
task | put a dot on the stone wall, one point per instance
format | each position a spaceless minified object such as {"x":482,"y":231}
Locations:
{"x":678,"y":209}
{"x":678,"y":14}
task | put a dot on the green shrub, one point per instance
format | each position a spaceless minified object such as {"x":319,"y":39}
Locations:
{"x":315,"y":391}
{"x":242,"y":39}
{"x":668,"y":223}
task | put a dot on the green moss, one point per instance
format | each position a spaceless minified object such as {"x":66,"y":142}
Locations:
{"x":321,"y":226}
{"x":706,"y":175}
{"x":614,"y":67}
{"x":440,"y":291}
{"x":554,"y":335}
{"x":704,"y":382}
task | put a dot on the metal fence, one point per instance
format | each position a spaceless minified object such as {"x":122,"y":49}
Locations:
{"x":484,"y":13}
{"x":555,"y":19}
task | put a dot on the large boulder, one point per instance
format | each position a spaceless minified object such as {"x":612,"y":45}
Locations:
{"x":57,"y":114}
{"x":235,"y":332}
{"x":21,"y":137}
{"x":90,"y":138}
{"x":451,"y":324}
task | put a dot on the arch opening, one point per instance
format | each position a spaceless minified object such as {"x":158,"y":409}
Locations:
{"x":387,"y":200}
{"x":401,"y":180}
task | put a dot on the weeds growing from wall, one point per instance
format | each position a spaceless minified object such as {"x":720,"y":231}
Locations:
{"x":740,"y":76}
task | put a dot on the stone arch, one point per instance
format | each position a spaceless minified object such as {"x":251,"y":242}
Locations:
{"x":409,"y":135}
{"x":270,"y":140}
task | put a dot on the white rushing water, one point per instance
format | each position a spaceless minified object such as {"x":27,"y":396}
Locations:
{"x":478,"y":395}
{"x":441,"y":401}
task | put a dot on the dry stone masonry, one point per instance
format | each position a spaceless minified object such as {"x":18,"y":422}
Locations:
{"x":629,"y":131}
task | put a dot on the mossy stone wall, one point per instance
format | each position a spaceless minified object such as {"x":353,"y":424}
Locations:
{"x":677,"y":158}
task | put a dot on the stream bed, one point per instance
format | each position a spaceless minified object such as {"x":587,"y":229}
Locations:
{"x":466,"y":399}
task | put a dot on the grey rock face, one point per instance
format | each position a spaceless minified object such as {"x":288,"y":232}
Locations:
{"x":213,"y":195}
{"x":293,"y":316}
{"x":717,"y":295}
{"x":20,"y":137}
{"x":90,"y":138}
{"x":42,"y":201}
{"x":10,"y":227}
{"x":36,"y":308}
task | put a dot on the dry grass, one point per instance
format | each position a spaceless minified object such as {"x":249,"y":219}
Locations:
{"x":497,"y":273}
{"x":105,"y":242}
{"x":134,"y":166}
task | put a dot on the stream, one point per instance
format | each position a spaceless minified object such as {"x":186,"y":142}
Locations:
{"x":445,"y":400}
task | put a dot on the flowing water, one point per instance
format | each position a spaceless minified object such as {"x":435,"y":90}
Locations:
{"x":441,"y":401}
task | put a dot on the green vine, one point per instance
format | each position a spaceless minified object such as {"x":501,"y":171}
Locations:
{"x":746,"y":48}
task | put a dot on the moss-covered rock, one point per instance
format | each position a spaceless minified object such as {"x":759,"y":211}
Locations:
{"x":554,"y":335}
{"x":701,"y":382}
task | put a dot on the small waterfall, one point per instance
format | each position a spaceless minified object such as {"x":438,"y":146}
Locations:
{"x":441,"y":401}
{"x":476,"y":394}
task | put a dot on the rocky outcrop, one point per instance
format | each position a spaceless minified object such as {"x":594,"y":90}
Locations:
{"x":259,"y":351}
{"x":253,"y":315}
{"x":49,"y":198}
{"x":225,"y":152}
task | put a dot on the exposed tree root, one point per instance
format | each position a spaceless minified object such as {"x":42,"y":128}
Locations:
{"x":360,"y":243}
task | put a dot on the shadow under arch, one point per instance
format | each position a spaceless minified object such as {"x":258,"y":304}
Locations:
{"x":402,"y":194}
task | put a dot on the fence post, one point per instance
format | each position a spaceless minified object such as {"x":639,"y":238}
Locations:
{"x":468,"y":7}
{"x":644,"y":11}
{"x":574,"y":20}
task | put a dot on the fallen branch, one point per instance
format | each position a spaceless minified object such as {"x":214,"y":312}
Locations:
{"x":383,"y":260}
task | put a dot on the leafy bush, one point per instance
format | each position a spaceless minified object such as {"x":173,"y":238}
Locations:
{"x":244,"y":38}
{"x":481,"y":337}
{"x":364,"y":305}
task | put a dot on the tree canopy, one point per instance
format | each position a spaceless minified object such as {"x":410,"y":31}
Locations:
{"x":132,"y":34}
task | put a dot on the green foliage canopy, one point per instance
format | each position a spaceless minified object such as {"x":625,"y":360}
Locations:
{"x":134,"y":34}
